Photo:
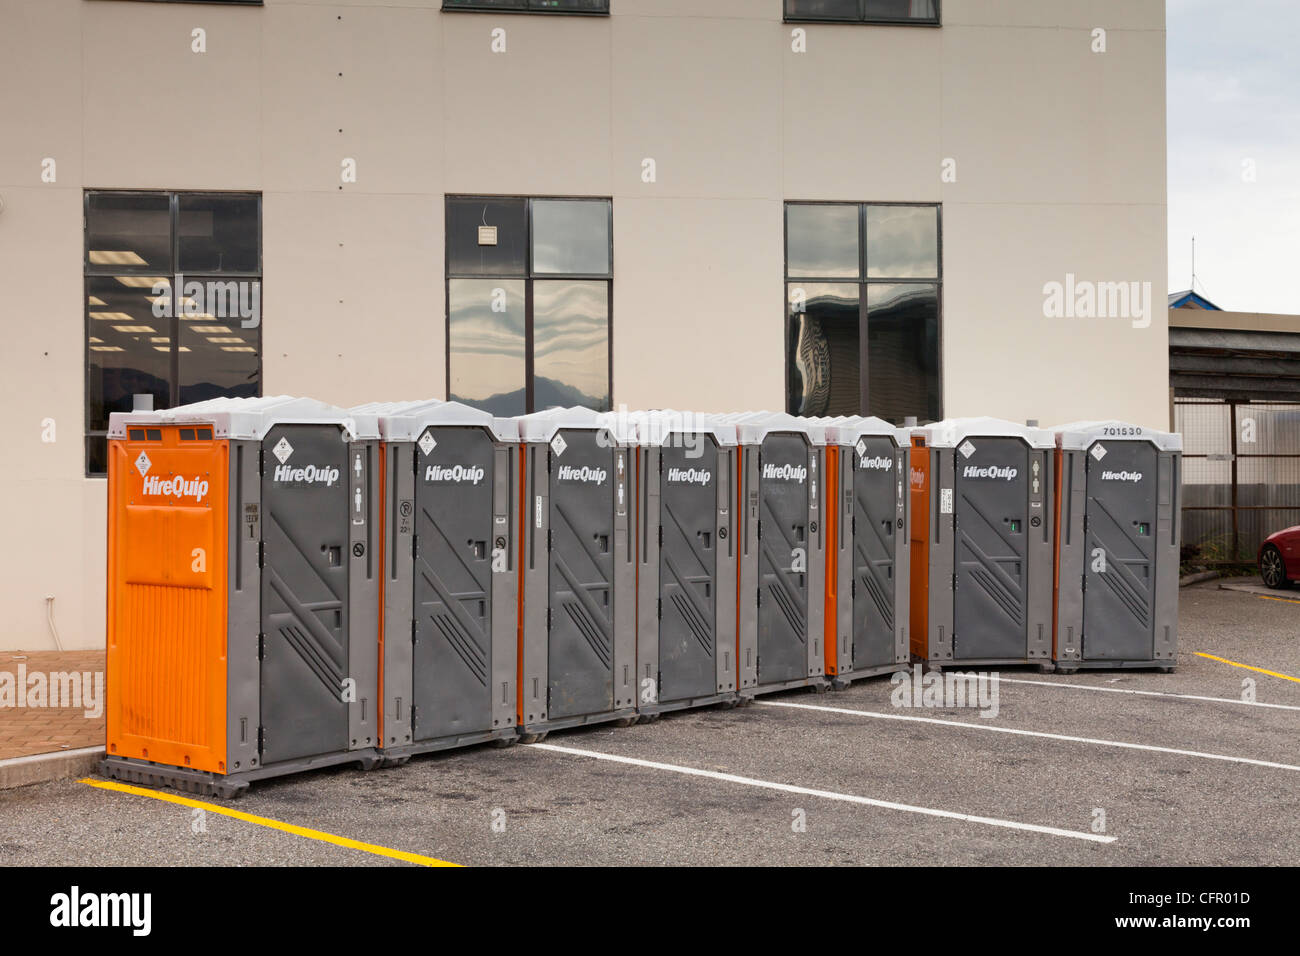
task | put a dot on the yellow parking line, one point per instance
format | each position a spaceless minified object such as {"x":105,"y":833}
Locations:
{"x":273,"y":824}
{"x":1224,"y":660}
{"x":1269,"y":597}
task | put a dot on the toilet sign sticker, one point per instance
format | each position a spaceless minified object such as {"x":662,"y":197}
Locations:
{"x":945,"y":501}
{"x":558,"y":445}
{"x":427,"y":444}
{"x":966,"y":449}
{"x":142,"y":464}
{"x":1098,"y":452}
{"x":282,"y":450}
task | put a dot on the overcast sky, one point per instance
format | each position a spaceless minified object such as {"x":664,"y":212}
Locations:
{"x":1234,"y":95}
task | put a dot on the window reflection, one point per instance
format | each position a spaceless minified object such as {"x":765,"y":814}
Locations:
{"x":579,"y":6}
{"x":902,"y":242}
{"x":863,"y":10}
{"x":570,"y":237}
{"x":554,"y":324}
{"x":824,"y":349}
{"x":486,"y":344}
{"x":571,"y":344}
{"x":530,"y":6}
{"x":822,"y":241}
{"x":847,"y":360}
{"x":219,"y":233}
{"x":903,"y":350}
{"x":823,"y":9}
{"x":900,"y":9}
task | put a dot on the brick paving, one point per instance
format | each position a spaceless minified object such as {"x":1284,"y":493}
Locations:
{"x":28,"y":730}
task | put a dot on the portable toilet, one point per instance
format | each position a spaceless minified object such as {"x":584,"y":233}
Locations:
{"x":1118,"y":488}
{"x":989,"y":549}
{"x":578,"y":645}
{"x":918,"y":541}
{"x":687,"y":468}
{"x":450,"y":577}
{"x":867,"y":553}
{"x":243,"y":589}
{"x":782,"y":558}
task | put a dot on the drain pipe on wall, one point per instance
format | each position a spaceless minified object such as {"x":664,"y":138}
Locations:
{"x":49,"y":617}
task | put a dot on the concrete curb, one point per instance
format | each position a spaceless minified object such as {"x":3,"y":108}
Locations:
{"x":1198,"y":577}
{"x":1247,"y":586}
{"x":41,"y":768}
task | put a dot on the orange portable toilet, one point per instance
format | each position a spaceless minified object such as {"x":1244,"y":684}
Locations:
{"x":243,"y":582}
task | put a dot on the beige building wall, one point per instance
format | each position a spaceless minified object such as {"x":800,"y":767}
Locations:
{"x":1059,"y":154}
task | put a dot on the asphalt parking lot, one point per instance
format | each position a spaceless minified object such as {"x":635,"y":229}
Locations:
{"x":1183,"y":770}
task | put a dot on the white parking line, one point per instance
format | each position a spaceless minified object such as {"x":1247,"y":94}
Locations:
{"x":1033,"y":733}
{"x":1144,"y":693}
{"x":828,"y":794}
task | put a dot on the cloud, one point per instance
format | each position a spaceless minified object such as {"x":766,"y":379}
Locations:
{"x":1233,"y":106}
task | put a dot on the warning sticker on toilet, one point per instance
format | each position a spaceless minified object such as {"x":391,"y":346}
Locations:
{"x":142,"y":464}
{"x":1098,"y":452}
{"x":945,"y":501}
{"x":966,"y":449}
{"x":282,"y":450}
{"x":558,"y":445}
{"x":427,"y":444}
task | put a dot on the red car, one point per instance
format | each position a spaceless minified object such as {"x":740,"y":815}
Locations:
{"x":1279,"y":558}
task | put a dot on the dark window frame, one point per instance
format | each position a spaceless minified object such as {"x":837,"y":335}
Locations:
{"x":862,"y":281}
{"x":90,"y":272}
{"x":529,"y":277}
{"x":862,"y":18}
{"x":521,"y":6}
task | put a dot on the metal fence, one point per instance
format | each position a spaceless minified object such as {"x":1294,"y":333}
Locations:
{"x":1241,"y":475}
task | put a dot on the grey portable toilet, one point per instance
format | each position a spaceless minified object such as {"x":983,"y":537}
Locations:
{"x":1118,"y":546}
{"x":578,"y":655}
{"x":870,"y":560}
{"x":451,"y":577}
{"x":781,"y":602}
{"x":687,"y":468}
{"x":990,"y":543}
{"x":301,"y":588}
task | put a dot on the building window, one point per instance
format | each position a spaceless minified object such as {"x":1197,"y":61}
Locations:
{"x":864,"y":11}
{"x":863,"y":305}
{"x":599,"y":7}
{"x":529,"y":302}
{"x":173,"y":302}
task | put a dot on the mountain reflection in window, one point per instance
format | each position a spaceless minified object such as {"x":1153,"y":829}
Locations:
{"x":571,"y":343}
{"x":486,"y":344}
